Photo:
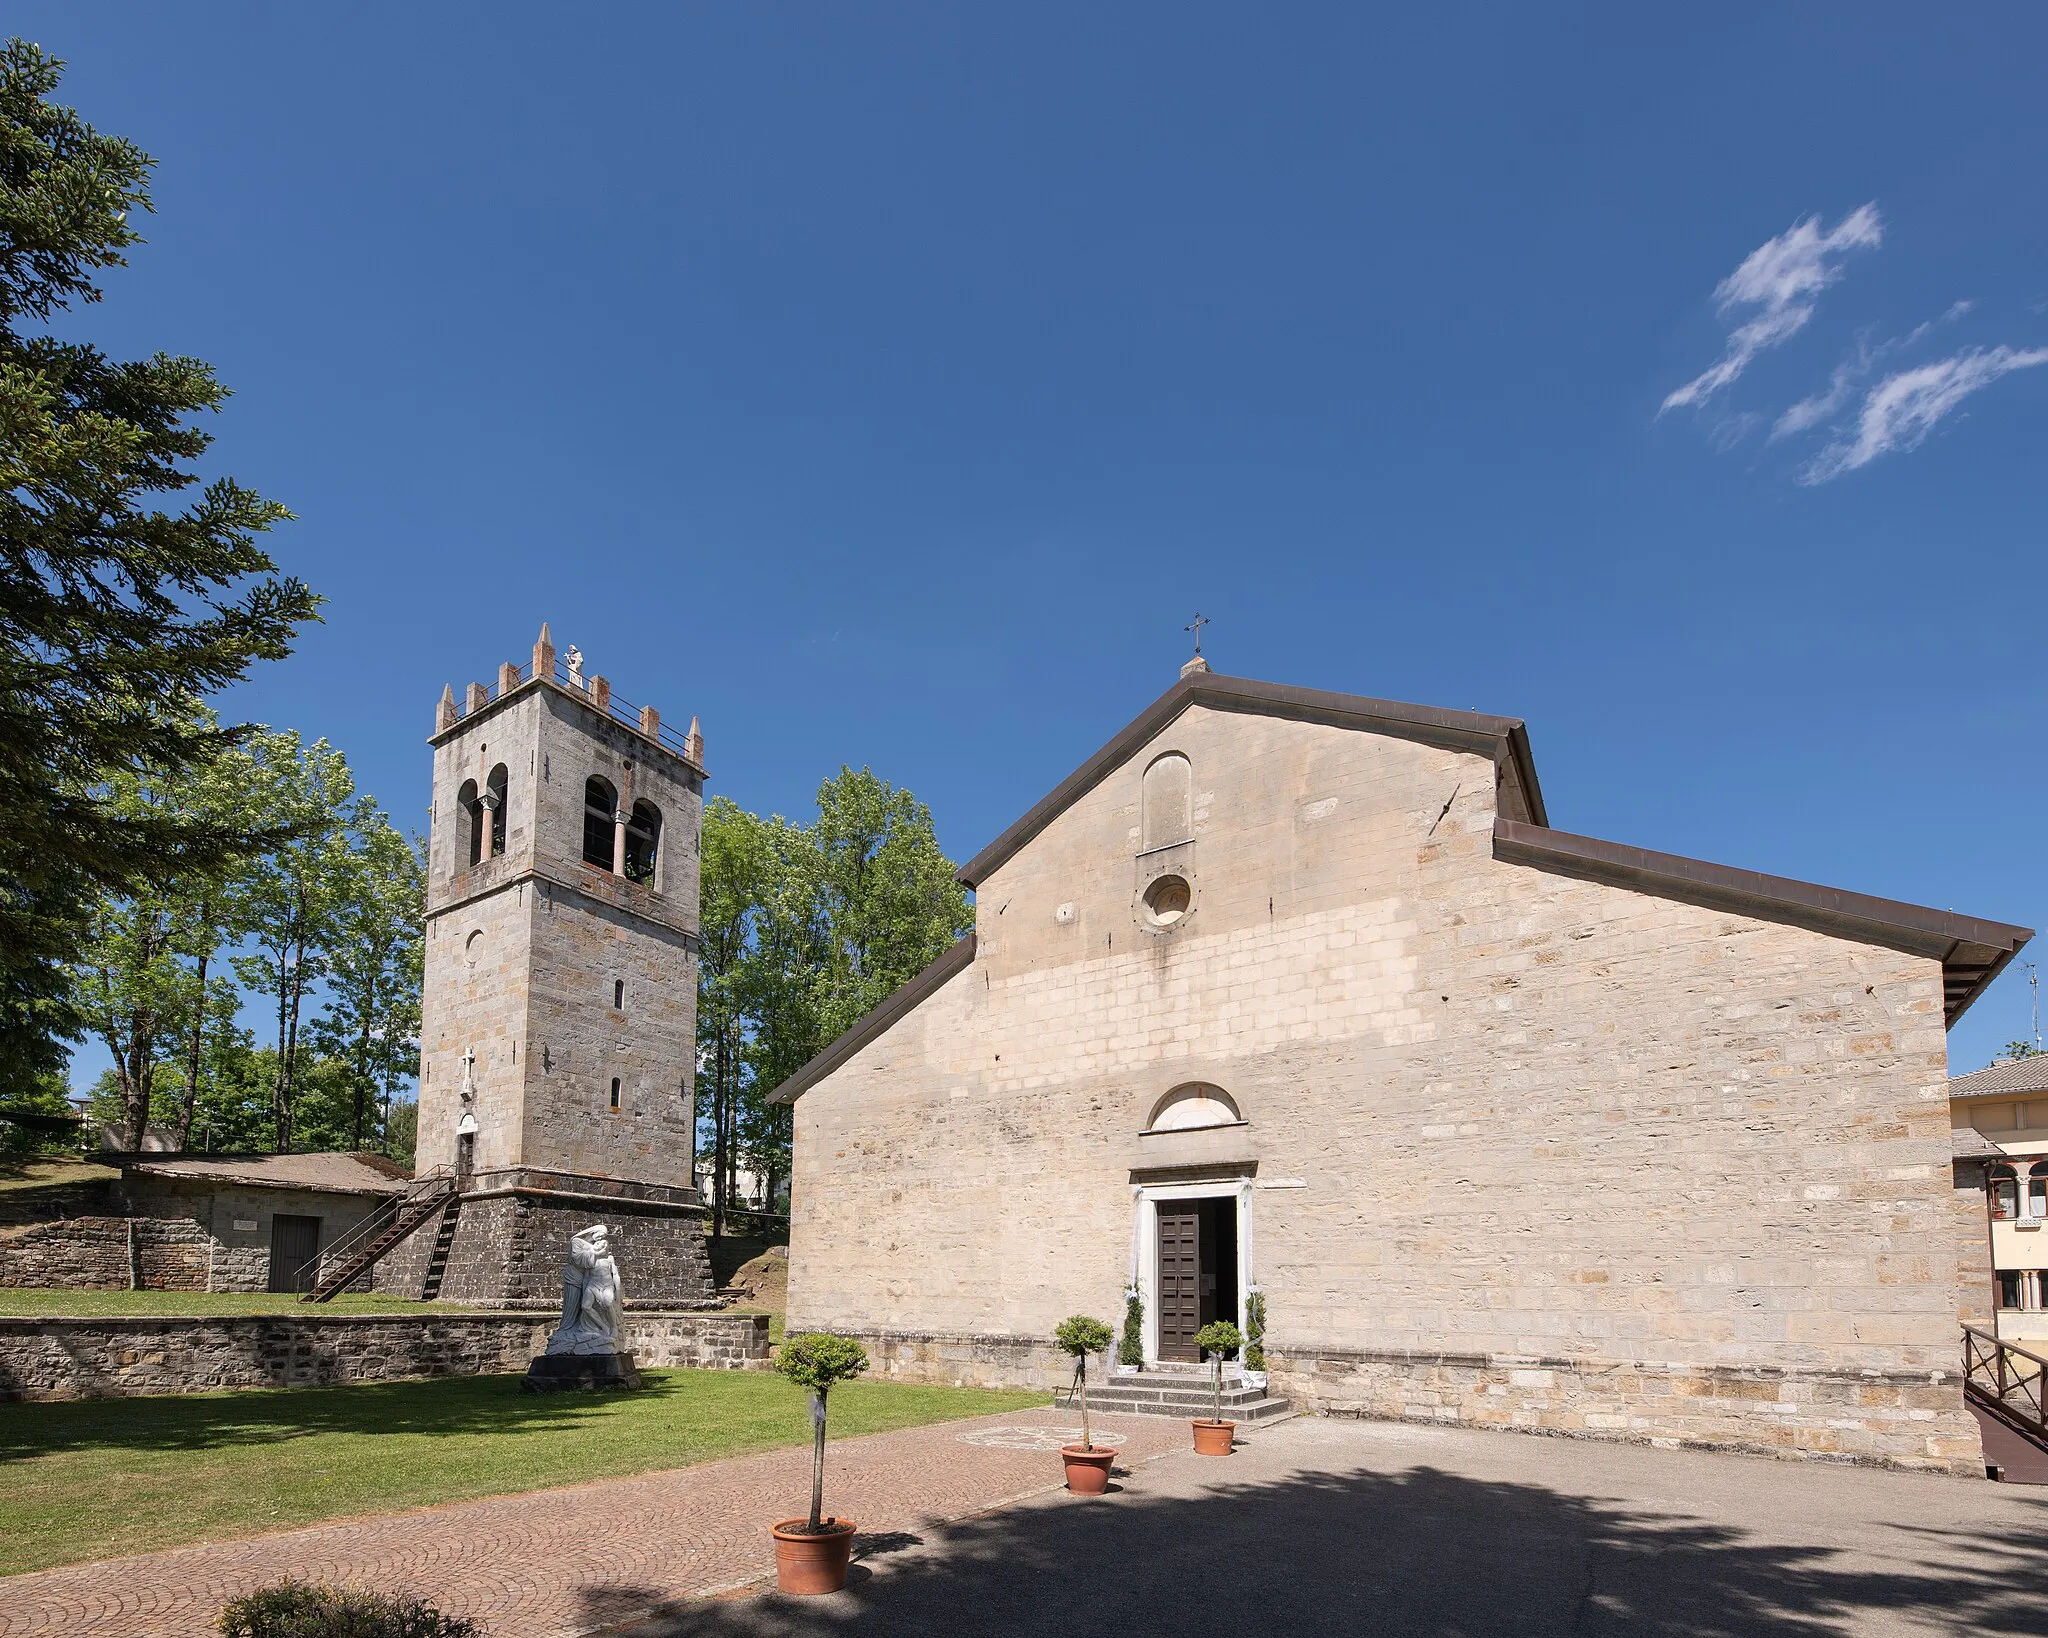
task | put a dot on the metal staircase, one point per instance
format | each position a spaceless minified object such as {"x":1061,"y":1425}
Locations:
{"x":390,"y":1225}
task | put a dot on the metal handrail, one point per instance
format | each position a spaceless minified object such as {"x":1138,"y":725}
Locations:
{"x":617,"y":707}
{"x":2006,"y":1377}
{"x":376,"y":1222}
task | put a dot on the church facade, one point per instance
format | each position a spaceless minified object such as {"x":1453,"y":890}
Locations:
{"x":1298,"y":993}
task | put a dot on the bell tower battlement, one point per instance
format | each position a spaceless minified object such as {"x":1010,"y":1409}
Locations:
{"x":558,"y":1036}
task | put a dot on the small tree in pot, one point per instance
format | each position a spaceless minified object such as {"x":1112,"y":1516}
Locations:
{"x":1087,"y":1466}
{"x":1219,"y":1337}
{"x":811,"y":1555}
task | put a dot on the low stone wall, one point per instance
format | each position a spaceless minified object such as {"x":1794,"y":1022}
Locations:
{"x":962,"y":1360}
{"x":126,"y":1358}
{"x":1898,"y":1419}
{"x":95,"y":1254}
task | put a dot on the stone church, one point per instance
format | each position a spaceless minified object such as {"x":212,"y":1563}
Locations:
{"x":1299,"y":992}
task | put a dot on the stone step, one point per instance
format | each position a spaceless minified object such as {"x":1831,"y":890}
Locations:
{"x":1177,"y":1393}
{"x":1256,"y":1408}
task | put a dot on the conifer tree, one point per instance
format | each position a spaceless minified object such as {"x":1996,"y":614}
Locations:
{"x":129,"y":591}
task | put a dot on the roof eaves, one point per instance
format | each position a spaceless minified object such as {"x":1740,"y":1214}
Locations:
{"x":1505,"y":740}
{"x":873,"y":1025}
{"x":1972,"y":952}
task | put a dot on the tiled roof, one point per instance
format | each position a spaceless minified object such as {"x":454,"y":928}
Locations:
{"x":1967,"y":1143}
{"x":331,"y":1172}
{"x":2014,"y":1075}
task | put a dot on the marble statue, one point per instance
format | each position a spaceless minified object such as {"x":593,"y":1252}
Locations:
{"x":575,"y":658}
{"x":590,"y":1296}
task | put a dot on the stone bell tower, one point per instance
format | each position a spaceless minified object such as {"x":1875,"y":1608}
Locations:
{"x":558,"y":1036}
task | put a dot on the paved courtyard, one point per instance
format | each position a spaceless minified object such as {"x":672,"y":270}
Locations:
{"x":1313,"y":1527}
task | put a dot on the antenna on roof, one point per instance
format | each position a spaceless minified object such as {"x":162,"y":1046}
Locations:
{"x":2034,"y":984}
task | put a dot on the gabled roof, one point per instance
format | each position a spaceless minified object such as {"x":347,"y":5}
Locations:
{"x":1971,"y":952}
{"x":876,"y":1023}
{"x":1504,"y":740}
{"x":2013,"y":1075}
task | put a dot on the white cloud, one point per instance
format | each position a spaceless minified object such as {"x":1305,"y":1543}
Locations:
{"x":1808,"y":413}
{"x":1904,"y":408}
{"x":1781,"y":278}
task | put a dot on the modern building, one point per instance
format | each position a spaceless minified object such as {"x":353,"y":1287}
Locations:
{"x":1301,"y":993}
{"x":2000,"y":1118}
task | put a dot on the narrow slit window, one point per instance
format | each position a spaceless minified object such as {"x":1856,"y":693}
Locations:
{"x":618,"y":995}
{"x":615,"y":1091}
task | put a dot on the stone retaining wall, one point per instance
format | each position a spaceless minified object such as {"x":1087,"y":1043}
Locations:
{"x":1885,"y":1418}
{"x":94,"y":1254}
{"x":128,"y":1358}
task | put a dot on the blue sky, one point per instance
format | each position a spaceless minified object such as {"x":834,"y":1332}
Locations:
{"x":890,"y":384}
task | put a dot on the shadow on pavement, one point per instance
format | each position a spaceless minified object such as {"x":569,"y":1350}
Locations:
{"x":1420,"y":1552}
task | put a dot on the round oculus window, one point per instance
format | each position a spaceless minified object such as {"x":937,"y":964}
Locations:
{"x":1167,"y":900}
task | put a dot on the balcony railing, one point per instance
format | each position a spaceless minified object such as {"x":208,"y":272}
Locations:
{"x":594,"y":691}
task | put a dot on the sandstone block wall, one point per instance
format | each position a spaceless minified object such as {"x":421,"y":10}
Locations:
{"x":509,"y":1247}
{"x":526,"y":952}
{"x":124,"y":1358}
{"x":1490,"y":1112}
{"x":107,"y":1254}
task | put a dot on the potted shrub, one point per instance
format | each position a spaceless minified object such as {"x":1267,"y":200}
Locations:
{"x":1087,"y":1462}
{"x":1213,"y":1436}
{"x":1130,"y":1347}
{"x":811,"y":1554}
{"x":1254,"y":1362}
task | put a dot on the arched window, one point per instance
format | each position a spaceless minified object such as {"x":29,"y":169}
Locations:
{"x":643,"y":838}
{"x":2005,"y":1194}
{"x":1166,"y":787}
{"x":600,"y":810}
{"x":2037,"y":1190}
{"x":1188,"y":1108}
{"x":494,"y":804}
{"x":469,"y":810}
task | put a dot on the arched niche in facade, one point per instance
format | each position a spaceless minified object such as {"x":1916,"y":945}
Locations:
{"x":1193,"y":1106}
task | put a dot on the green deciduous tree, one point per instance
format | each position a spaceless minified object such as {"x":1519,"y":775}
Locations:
{"x":376,"y":947}
{"x":119,"y":611}
{"x":290,"y":899}
{"x":805,"y":928}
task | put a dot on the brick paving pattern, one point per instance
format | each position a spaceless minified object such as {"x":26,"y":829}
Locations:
{"x":555,"y":1562}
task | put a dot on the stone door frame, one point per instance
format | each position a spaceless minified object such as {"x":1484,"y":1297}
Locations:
{"x":1145,"y":1244}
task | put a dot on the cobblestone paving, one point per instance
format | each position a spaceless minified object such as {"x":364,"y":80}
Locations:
{"x":555,"y":1562}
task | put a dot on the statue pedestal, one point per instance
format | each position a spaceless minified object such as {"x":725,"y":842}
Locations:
{"x":552,"y":1373}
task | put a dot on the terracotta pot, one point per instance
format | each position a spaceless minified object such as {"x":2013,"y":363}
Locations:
{"x":806,"y":1564}
{"x":1087,"y":1469}
{"x":1213,"y":1438}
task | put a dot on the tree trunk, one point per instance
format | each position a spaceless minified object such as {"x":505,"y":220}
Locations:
{"x":1081,"y":1383}
{"x":362,"y":1086}
{"x":279,"y":1100}
{"x":718,"y":1137}
{"x":817,"y":1459}
{"x":192,"y":1052}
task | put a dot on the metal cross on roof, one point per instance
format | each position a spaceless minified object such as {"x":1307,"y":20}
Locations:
{"x":1200,"y":620}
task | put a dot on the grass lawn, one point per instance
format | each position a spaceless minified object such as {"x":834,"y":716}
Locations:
{"x":101,"y":1478}
{"x":40,"y":1302}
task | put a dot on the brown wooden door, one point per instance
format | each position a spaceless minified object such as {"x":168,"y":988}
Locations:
{"x":1180,"y":1278}
{"x":294,"y":1244}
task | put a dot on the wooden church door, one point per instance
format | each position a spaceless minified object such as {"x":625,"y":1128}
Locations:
{"x":1180,"y":1278}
